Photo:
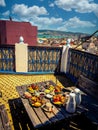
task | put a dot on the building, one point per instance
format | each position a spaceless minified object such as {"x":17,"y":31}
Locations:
{"x":10,"y":31}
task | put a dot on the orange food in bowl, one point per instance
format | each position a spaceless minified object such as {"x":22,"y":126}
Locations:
{"x":59,"y":99}
{"x":37,"y":104}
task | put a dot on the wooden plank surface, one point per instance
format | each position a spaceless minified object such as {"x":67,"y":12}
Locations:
{"x":43,"y":118}
{"x":32,"y":115}
{"x":58,"y":114}
{"x":34,"y":118}
{"x":4,"y":124}
{"x":1,"y":125}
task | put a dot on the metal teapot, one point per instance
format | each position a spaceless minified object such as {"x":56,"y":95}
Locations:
{"x":71,"y":103}
{"x":77,"y":96}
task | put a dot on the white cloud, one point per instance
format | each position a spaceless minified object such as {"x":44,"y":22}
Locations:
{"x":62,"y":28}
{"x":96,"y":10}
{"x":45,"y":22}
{"x":81,"y":6}
{"x":6,"y":13}
{"x":2,"y":3}
{"x":58,"y":23}
{"x":24,"y":11}
{"x":33,"y":15}
{"x":51,"y":5}
{"x":75,"y":23}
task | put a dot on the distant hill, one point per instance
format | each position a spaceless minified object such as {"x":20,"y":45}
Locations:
{"x":59,"y":34}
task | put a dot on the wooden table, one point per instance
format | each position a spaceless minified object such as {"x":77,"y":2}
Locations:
{"x":41,"y":118}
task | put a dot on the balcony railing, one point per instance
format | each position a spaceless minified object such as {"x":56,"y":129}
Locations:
{"x":82,"y":63}
{"x":44,"y":59}
{"x":7,"y":58}
{"x":48,"y":60}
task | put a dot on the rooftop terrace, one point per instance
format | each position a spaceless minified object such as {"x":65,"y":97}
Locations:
{"x":43,"y":64}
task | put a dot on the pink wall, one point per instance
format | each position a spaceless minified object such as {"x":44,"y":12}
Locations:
{"x":10,"y":31}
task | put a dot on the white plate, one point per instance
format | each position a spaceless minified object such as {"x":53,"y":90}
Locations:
{"x":49,"y":95}
{"x":44,"y":108}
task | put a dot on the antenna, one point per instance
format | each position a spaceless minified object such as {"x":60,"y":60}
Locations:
{"x":10,"y":18}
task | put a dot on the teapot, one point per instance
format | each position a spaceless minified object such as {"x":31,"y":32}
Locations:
{"x":78,"y":96}
{"x":71,"y":103}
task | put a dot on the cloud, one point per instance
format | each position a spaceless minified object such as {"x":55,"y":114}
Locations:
{"x":6,"y":13}
{"x":35,"y":15}
{"x":82,"y":6}
{"x":49,"y":21}
{"x":45,"y":22}
{"x":59,"y":24}
{"x":96,"y":10}
{"x":2,"y":3}
{"x":52,"y":22}
{"x":51,"y":5}
{"x":23,"y":10}
{"x":75,"y":23}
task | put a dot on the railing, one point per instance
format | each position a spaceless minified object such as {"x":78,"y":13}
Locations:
{"x":7,"y":58}
{"x":40,"y":59}
{"x":44,"y":59}
{"x":84,"y":63}
{"x":47,"y":60}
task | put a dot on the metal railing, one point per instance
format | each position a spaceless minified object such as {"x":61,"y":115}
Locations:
{"x":48,"y":60}
{"x":7,"y":58}
{"x":40,"y":59}
{"x":82,"y":63}
{"x":44,"y":59}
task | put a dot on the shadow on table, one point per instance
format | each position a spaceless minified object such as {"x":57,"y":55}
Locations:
{"x":21,"y":120}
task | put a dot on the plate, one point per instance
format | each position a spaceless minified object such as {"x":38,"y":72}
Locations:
{"x":35,"y":101}
{"x":58,"y":103}
{"x":58,"y":99}
{"x":42,"y":94}
{"x":44,"y":108}
{"x":48,"y":107}
{"x":49,"y":95}
{"x":36,"y":104}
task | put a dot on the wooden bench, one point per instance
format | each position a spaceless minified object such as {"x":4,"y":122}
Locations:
{"x":90,"y":98}
{"x":88,"y":86}
{"x":4,"y":121}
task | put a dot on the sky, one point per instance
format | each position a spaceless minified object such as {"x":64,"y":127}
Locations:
{"x":61,"y":15}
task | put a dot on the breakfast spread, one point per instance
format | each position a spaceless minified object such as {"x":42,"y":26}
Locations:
{"x":39,"y":94}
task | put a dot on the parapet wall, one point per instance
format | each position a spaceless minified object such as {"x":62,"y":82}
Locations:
{"x":48,"y":60}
